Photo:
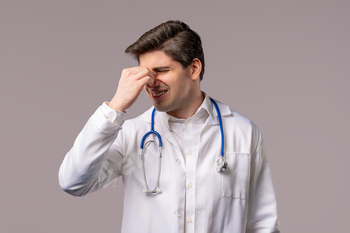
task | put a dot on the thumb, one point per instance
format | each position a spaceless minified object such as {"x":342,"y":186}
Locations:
{"x":152,"y":76}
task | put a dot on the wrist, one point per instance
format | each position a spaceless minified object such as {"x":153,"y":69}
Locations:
{"x":116,"y":106}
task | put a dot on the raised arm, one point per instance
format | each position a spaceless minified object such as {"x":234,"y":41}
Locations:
{"x":95,"y":158}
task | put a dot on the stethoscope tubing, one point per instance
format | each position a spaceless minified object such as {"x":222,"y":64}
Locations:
{"x":156,"y":190}
{"x":152,"y":131}
{"x":220,"y":124}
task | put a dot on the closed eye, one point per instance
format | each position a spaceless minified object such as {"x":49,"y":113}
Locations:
{"x":161,"y":71}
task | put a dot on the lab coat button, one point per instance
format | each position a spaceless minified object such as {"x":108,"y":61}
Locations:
{"x":110,"y":119}
{"x":190,"y":185}
{"x":189,"y":152}
{"x":177,"y":213}
{"x":187,"y":122}
{"x":190,"y":220}
{"x":178,"y":161}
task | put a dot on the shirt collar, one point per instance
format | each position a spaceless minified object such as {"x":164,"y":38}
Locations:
{"x":205,"y":106}
{"x":201,"y":113}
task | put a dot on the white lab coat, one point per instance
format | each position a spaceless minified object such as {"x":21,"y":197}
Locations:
{"x":237,"y":200}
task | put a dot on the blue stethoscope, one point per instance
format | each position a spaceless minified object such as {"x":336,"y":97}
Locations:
{"x":220,"y":164}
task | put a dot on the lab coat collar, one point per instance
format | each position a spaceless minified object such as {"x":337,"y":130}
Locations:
{"x":213,"y":115}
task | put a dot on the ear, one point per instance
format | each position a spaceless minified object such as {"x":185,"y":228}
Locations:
{"x":196,"y":68}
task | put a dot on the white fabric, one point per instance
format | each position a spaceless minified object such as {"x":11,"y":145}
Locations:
{"x":112,"y":115}
{"x":195,"y":197}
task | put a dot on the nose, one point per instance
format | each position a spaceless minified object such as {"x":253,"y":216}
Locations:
{"x":156,"y":83}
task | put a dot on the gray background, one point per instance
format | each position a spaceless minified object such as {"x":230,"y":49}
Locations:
{"x":283,"y":64}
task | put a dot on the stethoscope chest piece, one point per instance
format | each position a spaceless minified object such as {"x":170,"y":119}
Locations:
{"x":220,"y":165}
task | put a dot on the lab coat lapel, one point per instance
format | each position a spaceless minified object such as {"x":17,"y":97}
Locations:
{"x":164,"y":131}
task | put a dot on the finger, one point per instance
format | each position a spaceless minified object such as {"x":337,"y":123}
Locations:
{"x":151,"y":81}
{"x":141,"y":72}
{"x":135,"y":72}
{"x":147,"y":80}
{"x":146,"y":76}
{"x":152,"y":75}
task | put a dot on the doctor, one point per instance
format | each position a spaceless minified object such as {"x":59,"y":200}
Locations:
{"x":190,"y":195}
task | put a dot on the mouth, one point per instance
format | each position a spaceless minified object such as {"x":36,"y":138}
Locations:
{"x":157,"y":95}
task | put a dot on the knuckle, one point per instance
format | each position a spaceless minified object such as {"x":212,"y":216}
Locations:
{"x":126,"y":72}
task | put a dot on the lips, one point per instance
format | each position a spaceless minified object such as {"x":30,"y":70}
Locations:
{"x":158,"y":94}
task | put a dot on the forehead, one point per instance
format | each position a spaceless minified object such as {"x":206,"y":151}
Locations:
{"x":155,"y":59}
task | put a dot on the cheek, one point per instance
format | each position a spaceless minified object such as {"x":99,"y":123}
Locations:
{"x":177,"y":82}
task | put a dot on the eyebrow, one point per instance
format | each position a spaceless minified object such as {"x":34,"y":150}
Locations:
{"x":157,"y":68}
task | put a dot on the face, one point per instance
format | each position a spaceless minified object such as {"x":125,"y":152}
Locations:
{"x":174,"y":86}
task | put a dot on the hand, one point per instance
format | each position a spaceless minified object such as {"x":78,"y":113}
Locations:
{"x":130,"y":85}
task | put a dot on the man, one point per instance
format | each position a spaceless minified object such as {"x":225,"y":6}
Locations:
{"x":191,"y":193}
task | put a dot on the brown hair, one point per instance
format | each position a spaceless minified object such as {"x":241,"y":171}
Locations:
{"x":175,"y":38}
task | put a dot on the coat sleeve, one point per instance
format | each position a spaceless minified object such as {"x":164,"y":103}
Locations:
{"x":262,"y":207}
{"x":95,"y":158}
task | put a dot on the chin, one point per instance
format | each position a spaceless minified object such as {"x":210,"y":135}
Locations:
{"x":161,"y":108}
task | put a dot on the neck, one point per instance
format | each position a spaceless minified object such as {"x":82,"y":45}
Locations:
{"x":190,"y":107}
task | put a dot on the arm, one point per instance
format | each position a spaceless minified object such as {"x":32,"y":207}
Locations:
{"x":94,"y":158}
{"x":262,"y":209}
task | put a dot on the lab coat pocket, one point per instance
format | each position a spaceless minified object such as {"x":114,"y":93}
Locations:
{"x":235,"y":179}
